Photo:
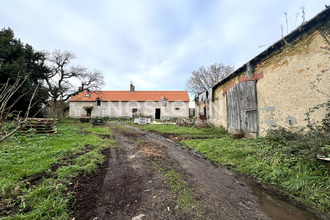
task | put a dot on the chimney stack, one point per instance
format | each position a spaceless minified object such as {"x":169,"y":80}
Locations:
{"x":132,"y":88}
{"x":81,"y":88}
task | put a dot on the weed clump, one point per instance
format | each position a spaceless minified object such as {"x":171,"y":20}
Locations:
{"x":304,"y":145}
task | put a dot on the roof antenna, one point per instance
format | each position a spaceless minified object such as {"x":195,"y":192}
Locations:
{"x":303,"y":13}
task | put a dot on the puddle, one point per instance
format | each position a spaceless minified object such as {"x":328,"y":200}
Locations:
{"x":275,"y":207}
{"x":280,"y":209}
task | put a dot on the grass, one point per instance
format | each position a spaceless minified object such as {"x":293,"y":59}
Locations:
{"x":124,"y":128}
{"x":284,"y":159}
{"x":307,"y":180}
{"x":22,"y":157}
{"x":186,"y":131}
{"x":181,"y":190}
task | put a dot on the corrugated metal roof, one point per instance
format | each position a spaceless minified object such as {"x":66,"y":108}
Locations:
{"x":140,"y":96}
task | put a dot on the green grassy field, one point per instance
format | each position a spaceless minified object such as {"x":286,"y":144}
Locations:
{"x":76,"y":148}
{"x":283,"y":159}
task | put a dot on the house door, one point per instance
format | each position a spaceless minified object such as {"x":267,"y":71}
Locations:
{"x":88,"y":112}
{"x":242,"y":109}
{"x":157,"y":113}
{"x":134,"y":112}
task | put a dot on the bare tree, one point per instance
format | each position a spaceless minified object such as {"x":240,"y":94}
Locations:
{"x":92,"y":80}
{"x":6,"y":112}
{"x":61,"y":78}
{"x":206,"y":77}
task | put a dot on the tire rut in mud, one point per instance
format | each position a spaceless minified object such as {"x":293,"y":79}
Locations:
{"x":133,"y":188}
{"x":120,"y":193}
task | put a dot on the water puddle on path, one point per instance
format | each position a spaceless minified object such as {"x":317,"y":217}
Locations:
{"x":280,"y":209}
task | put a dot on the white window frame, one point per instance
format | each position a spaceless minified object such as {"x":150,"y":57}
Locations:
{"x":104,"y":112}
{"x":78,"y":112}
{"x":118,"y":112}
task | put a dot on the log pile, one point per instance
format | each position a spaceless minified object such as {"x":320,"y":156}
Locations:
{"x":40,"y":125}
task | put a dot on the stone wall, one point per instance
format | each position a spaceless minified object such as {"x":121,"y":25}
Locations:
{"x":290,"y":81}
{"x":290,"y":85}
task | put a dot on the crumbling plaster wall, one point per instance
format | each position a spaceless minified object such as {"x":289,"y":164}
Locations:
{"x":218,"y":113}
{"x":290,"y":86}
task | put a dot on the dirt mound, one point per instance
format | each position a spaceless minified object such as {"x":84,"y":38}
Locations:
{"x":150,"y":150}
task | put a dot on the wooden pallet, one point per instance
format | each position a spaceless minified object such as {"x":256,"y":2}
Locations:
{"x":40,"y":125}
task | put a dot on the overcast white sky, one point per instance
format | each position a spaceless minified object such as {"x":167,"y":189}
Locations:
{"x":154,"y":43}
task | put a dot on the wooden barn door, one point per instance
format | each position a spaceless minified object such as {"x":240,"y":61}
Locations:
{"x":242,"y":109}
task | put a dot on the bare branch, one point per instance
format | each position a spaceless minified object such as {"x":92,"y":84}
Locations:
{"x":6,"y":92}
{"x":62,"y":79}
{"x":4,"y":137}
{"x":206,"y":77}
{"x":92,"y":80}
{"x":30,"y":103}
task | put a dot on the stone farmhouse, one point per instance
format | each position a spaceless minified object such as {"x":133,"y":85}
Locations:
{"x":128,"y":104}
{"x":277,"y":87}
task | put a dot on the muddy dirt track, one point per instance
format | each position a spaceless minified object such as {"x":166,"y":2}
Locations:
{"x":131,"y":185}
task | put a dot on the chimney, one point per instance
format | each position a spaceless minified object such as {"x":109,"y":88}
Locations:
{"x":81,"y":88}
{"x":131,"y":88}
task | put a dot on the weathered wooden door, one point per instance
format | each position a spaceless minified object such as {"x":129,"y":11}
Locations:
{"x":242,"y":109}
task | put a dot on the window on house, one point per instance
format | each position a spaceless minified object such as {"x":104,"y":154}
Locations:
{"x":134,"y":112}
{"x":177,"y":108}
{"x":87,"y":95}
{"x":98,"y":102}
{"x":78,"y":112}
{"x":104,"y":112}
{"x":118,"y":112}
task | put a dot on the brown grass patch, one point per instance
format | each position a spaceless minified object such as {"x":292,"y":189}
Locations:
{"x":149,"y":149}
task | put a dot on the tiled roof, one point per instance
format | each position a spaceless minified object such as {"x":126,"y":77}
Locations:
{"x":128,"y":96}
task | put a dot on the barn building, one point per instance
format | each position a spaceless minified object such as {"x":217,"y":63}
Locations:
{"x":278,"y":86}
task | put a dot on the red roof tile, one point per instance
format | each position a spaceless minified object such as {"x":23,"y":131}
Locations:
{"x":127,"y":96}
